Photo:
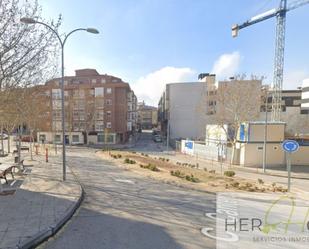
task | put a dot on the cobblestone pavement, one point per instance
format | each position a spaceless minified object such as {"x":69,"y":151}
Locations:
{"x":39,"y":206}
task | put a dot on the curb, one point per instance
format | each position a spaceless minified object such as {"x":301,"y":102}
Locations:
{"x":53,"y":229}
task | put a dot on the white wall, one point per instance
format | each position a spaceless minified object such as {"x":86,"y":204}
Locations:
{"x":187,"y":105}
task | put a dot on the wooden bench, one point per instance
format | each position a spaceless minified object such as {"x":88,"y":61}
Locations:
{"x":7,"y":171}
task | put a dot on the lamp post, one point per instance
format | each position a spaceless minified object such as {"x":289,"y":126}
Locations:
{"x":28,"y":20}
{"x":265,"y":130}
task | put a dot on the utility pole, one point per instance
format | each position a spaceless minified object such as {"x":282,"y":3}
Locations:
{"x":265,"y":131}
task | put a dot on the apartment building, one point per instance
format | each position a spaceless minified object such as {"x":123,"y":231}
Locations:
{"x":305,"y":97}
{"x":293,"y":112}
{"x":183,"y":108}
{"x":186,"y":108}
{"x":100,"y":108}
{"x":147,"y":116}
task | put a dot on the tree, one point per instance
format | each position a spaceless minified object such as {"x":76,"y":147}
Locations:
{"x":237,"y":101}
{"x":27,"y":53}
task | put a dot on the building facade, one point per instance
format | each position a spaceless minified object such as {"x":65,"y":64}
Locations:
{"x":305,"y":97}
{"x":101,"y":107}
{"x":147,"y":116}
{"x":293,"y":112}
{"x":183,"y":107}
{"x":186,"y":108}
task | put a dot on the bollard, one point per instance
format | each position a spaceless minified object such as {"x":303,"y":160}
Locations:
{"x":46,"y":155}
{"x":36,"y":149}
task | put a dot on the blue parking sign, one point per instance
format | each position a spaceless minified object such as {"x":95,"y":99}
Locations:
{"x":290,"y":146}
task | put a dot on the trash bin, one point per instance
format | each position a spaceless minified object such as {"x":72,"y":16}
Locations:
{"x":16,"y":159}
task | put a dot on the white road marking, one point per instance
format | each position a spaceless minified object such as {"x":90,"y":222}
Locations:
{"x":13,"y":182}
{"x":125,"y":181}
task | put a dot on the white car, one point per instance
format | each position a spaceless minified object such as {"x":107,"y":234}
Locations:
{"x":3,"y":136}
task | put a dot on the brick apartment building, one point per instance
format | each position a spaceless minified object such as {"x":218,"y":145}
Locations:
{"x":98,"y":109}
{"x":147,"y":116}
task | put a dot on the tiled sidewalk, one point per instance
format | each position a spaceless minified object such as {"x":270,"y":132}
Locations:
{"x":40,"y":206}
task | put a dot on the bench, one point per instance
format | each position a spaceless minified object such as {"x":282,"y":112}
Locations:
{"x":22,"y":148}
{"x":7,"y":171}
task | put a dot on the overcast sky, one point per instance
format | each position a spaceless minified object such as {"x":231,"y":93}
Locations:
{"x":149,"y":43}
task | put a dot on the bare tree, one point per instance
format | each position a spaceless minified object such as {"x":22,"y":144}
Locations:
{"x":237,"y":101}
{"x":27,"y":52}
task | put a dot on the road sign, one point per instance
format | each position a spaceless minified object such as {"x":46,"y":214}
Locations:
{"x":290,"y":146}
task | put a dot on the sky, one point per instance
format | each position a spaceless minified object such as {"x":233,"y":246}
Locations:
{"x":149,"y":43}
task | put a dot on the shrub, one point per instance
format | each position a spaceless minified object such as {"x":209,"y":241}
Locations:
{"x":150,"y":167}
{"x":129,"y":161}
{"x":229,"y":173}
{"x":260,"y":181}
{"x":212,"y":171}
{"x":177,"y":173}
{"x":191,"y":178}
{"x":133,"y":152}
{"x":205,"y":169}
{"x":235,"y":184}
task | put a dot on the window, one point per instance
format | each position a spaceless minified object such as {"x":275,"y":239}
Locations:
{"x":56,"y":93}
{"x":75,"y":139}
{"x":103,"y":80}
{"x":99,"y":115}
{"x":100,"y":138}
{"x":56,"y":115}
{"x":42,"y":138}
{"x":108,"y":101}
{"x":108,"y":125}
{"x":109,"y":114}
{"x":93,"y":81}
{"x":99,"y":92}
{"x":109,"y":90}
{"x":99,"y":125}
{"x":56,"y":104}
{"x":57,"y":138}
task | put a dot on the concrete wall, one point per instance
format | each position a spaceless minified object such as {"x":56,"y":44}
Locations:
{"x":275,"y":132}
{"x":251,"y":154}
{"x":187,"y":104}
{"x":301,"y":157}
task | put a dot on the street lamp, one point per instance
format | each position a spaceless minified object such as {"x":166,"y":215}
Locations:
{"x":28,"y":20}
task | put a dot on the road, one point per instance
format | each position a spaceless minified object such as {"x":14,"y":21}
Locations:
{"x":122,"y":210}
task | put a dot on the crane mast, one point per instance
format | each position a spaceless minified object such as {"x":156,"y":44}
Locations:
{"x":280,"y":14}
{"x":279,"y":62}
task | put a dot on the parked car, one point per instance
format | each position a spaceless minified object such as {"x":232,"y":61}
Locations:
{"x":157,"y":138}
{"x":3,"y":136}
